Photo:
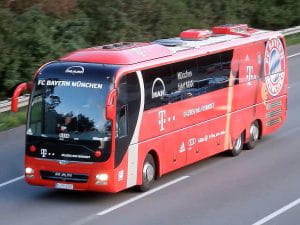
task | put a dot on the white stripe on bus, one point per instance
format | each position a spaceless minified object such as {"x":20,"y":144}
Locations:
{"x":133,"y":147}
{"x":228,"y":141}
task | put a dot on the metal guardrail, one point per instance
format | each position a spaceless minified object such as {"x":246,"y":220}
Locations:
{"x":23,"y":100}
{"x":5,"y":105}
{"x":290,"y":31}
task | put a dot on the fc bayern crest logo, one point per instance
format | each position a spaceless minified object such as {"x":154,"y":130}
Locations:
{"x":274,"y":66}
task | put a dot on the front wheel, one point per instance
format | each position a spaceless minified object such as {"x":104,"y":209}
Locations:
{"x":148,"y":174}
{"x":237,"y":146}
{"x":254,"y":136}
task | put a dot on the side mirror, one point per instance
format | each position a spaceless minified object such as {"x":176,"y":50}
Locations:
{"x":111,"y":105}
{"x":18,"y":91}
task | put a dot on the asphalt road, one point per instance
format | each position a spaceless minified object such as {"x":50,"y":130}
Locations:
{"x":245,"y":190}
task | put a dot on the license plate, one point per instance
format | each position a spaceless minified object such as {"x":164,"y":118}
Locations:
{"x":64,"y":186}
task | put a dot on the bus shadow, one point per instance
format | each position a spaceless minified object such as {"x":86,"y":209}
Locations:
{"x":81,"y":197}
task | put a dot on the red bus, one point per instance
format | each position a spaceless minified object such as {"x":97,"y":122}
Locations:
{"x":121,"y":115}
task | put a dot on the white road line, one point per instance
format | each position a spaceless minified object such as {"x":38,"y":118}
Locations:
{"x":290,"y":56}
{"x":278,"y":212}
{"x":11,"y":181}
{"x":141,"y":196}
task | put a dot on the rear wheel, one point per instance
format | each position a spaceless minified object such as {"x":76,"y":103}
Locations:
{"x":148,"y":174}
{"x":254,"y":136}
{"x":237,"y":146}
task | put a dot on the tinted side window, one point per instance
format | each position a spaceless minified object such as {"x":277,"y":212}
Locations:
{"x":128,"y":105}
{"x":122,"y":112}
{"x":186,"y":79}
{"x":226,"y":59}
{"x":210,"y":70}
{"x":186,"y":74}
{"x":158,"y":83}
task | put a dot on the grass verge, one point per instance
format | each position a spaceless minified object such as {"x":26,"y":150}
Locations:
{"x":9,"y":119}
{"x":293,"y":39}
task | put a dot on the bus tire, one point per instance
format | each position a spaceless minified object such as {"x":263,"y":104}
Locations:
{"x":254,"y":136}
{"x":237,"y":146}
{"x":148,"y":174}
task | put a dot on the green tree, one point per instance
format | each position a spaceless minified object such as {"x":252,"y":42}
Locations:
{"x":9,"y":57}
{"x":33,"y":38}
{"x":276,"y":14}
{"x":34,"y":32}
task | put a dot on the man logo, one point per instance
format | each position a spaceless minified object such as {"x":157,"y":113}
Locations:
{"x":274,"y":66}
{"x":75,"y":70}
{"x":158,"y":88}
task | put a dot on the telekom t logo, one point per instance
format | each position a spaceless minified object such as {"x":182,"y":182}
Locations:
{"x":163,"y":119}
{"x":250,"y":75}
{"x":43,"y":152}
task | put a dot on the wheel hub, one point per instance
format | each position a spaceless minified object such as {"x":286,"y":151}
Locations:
{"x":238,"y":143}
{"x":148,"y":172}
{"x":254,"y":132}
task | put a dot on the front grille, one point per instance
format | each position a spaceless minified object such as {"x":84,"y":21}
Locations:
{"x":62,"y":176}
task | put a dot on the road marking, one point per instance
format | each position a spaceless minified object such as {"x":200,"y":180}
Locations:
{"x":290,"y":56}
{"x":122,"y":204}
{"x":11,"y":181}
{"x":278,"y":212}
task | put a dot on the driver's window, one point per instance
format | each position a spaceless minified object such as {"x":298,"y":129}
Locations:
{"x":122,"y":109}
{"x":122,"y":121}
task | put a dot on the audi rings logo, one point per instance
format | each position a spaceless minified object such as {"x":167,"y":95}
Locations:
{"x":274,"y":66}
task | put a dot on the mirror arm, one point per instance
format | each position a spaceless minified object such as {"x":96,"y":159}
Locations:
{"x":18,"y":91}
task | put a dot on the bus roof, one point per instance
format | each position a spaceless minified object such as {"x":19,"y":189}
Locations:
{"x":128,"y":53}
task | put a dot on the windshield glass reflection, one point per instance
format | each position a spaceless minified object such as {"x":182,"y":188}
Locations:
{"x":65,"y":109}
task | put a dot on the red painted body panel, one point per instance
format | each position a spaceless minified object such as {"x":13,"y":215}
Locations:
{"x":187,"y":131}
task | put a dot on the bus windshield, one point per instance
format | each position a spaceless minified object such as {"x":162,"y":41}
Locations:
{"x":70,"y":105}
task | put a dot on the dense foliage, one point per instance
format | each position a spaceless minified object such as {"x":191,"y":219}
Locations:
{"x":33,"y":32}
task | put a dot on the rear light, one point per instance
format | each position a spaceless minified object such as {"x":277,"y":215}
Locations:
{"x":97,"y":154}
{"x":32,"y":148}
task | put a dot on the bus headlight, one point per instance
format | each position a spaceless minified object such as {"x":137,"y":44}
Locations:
{"x":29,"y":172}
{"x":102,"y":179}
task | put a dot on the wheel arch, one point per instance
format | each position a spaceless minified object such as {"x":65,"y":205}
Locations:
{"x":155,"y":156}
{"x":260,"y":124}
{"x":260,"y":127}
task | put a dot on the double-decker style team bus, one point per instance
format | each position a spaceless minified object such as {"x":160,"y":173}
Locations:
{"x":121,"y":115}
